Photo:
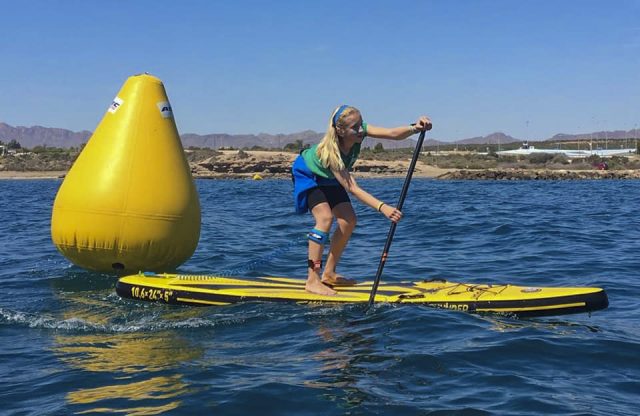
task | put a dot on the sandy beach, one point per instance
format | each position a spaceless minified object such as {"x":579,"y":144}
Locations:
{"x":269,"y":165}
{"x":278,"y":164}
{"x":31,"y":174}
{"x":234,"y":164}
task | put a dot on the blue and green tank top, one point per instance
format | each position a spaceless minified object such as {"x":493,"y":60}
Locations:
{"x":314,"y":163}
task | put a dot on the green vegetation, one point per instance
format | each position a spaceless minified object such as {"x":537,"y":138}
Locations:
{"x":40,"y":158}
{"x":43,"y":158}
{"x":196,"y":154}
{"x":379,"y":153}
{"x":460,"y":160}
{"x":484,"y":156}
{"x":533,"y":161}
{"x":295,"y":147}
{"x":13,"y":145}
{"x":596,"y":143}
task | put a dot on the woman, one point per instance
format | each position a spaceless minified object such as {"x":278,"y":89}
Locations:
{"x":321,"y":182}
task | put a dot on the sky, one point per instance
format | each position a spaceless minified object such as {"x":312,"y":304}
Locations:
{"x":530,"y":69}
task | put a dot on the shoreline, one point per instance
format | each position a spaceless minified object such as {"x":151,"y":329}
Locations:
{"x":256,"y":164}
{"x":32,"y":174}
{"x":424,"y":171}
{"x":268,"y":165}
{"x":22,"y":175}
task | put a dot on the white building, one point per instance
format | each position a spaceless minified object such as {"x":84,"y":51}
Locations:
{"x":527,"y":149}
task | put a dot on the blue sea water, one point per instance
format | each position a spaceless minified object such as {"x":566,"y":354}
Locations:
{"x":70,"y":345}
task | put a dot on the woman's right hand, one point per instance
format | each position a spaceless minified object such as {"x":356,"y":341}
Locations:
{"x":424,"y":123}
{"x":392,"y":213}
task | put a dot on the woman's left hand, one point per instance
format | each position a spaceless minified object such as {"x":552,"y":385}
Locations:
{"x":424,"y":123}
{"x":392,"y":213}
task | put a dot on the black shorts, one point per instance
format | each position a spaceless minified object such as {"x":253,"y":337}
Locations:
{"x":333,"y":195}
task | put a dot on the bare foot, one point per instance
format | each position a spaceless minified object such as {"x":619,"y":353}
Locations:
{"x":335,"y":279}
{"x":314,"y":285}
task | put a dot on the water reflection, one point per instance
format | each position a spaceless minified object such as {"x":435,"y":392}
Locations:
{"x":124,"y":353}
{"x":507,"y":323}
{"x":350,"y":357}
{"x":125,"y":371}
{"x":153,"y":389}
{"x":129,"y":368}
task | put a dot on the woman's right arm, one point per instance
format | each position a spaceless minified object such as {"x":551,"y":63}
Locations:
{"x":349,"y":183}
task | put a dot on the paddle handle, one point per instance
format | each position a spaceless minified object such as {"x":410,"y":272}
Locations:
{"x":392,"y":230}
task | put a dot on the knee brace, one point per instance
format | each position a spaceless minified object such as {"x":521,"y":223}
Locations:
{"x":318,"y":236}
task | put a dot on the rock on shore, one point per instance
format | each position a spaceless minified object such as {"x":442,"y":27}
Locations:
{"x":235,"y":164}
{"x":245,"y":164}
{"x":522,"y":174}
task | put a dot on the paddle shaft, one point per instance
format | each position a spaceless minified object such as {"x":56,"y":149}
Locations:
{"x":392,"y":230}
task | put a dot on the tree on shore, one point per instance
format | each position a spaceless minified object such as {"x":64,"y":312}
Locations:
{"x":14,"y":145}
{"x":296,"y":146}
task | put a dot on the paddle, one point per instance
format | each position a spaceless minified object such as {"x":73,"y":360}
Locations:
{"x":392,"y":230}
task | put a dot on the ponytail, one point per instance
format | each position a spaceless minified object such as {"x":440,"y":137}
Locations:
{"x":328,"y":150}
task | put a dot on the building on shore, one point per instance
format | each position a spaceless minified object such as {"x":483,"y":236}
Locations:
{"x":527,"y":149}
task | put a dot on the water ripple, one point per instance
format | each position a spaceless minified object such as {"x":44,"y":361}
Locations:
{"x":70,"y":345}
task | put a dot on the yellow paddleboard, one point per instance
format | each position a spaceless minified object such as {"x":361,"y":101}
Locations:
{"x":205,"y":290}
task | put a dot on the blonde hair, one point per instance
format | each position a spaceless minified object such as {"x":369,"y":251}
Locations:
{"x":328,"y":150}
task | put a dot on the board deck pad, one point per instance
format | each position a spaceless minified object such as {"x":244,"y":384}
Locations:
{"x":203,"y":290}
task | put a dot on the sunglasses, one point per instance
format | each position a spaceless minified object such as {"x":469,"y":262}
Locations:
{"x":357,"y":128}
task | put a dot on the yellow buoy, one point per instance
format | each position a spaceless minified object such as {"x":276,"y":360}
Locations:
{"x":129,"y":202}
{"x":257,"y":177}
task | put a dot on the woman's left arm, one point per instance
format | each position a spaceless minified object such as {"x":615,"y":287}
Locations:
{"x":399,"y":133}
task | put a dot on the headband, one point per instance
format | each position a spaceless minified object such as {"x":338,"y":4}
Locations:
{"x":339,"y":111}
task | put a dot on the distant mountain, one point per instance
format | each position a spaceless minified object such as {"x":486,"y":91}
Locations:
{"x":30,"y":137}
{"x":433,"y":142}
{"x":616,"y":134}
{"x":494,"y":138}
{"x":216,"y":141}
{"x":39,"y":136}
{"x":265,"y":140}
